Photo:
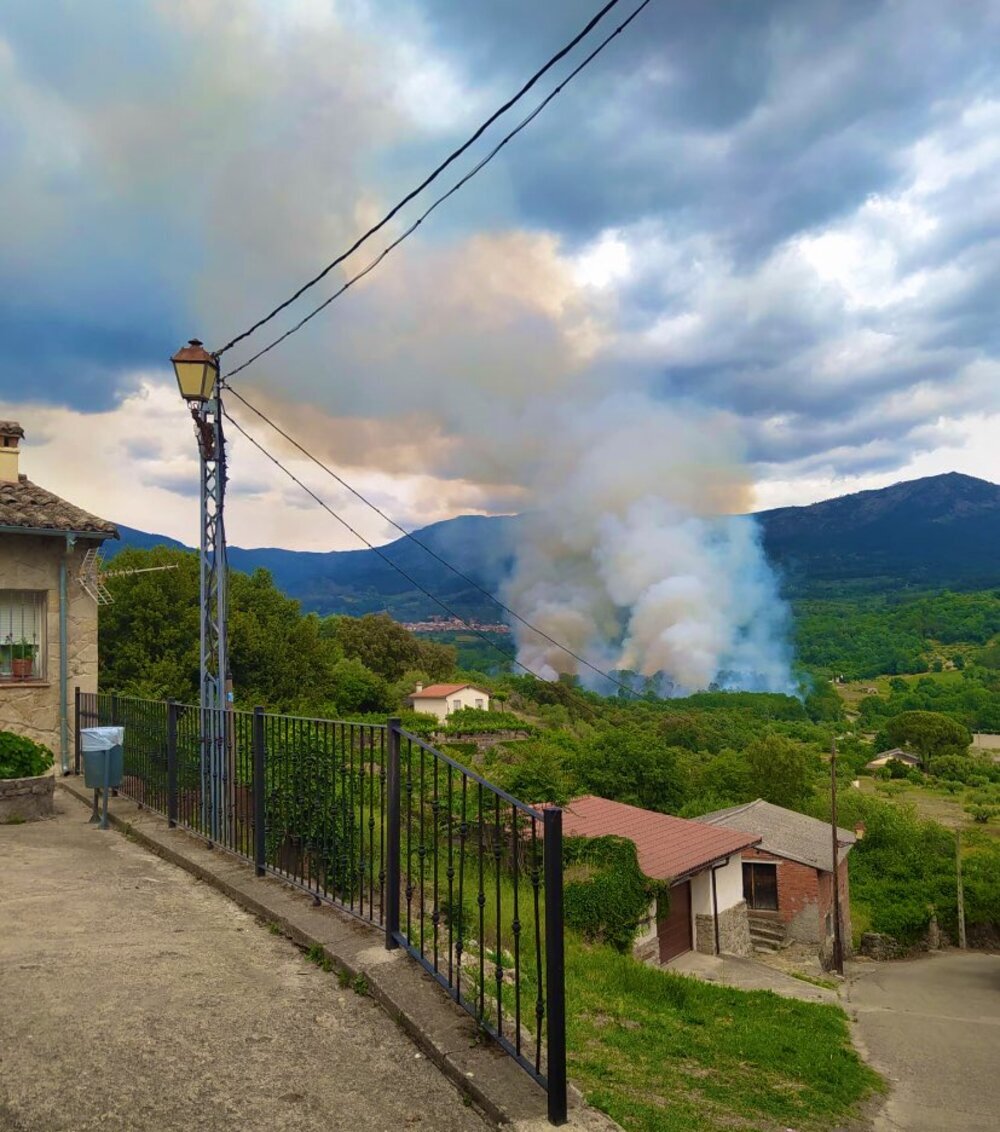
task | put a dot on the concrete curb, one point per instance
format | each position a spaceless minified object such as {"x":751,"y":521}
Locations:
{"x":443,"y":1032}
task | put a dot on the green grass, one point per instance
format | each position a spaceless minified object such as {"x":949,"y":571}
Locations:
{"x":663,"y":1053}
{"x":815,"y":980}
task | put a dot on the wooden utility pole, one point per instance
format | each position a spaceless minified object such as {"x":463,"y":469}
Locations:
{"x":961,"y":890}
{"x":838,"y":943}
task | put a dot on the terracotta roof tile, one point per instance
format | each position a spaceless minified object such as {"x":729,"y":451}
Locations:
{"x":440,"y":691}
{"x":25,"y":504}
{"x":668,"y":847}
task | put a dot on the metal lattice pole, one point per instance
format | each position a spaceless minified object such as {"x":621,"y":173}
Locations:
{"x":214,"y":664}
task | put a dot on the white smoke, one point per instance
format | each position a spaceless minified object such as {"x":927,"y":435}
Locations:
{"x":632,"y":555}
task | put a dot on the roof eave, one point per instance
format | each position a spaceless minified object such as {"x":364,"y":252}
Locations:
{"x":56,"y":533}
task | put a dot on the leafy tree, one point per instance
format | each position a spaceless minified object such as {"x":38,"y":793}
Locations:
{"x":353,"y":689}
{"x":630,"y":764}
{"x":781,"y":771}
{"x":386,"y":648}
{"x":927,"y":734}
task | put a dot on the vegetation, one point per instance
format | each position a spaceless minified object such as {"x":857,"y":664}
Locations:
{"x":21,"y":757}
{"x":606,"y":896}
{"x":663,"y":1053}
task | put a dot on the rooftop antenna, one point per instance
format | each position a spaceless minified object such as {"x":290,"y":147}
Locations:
{"x":92,"y":576}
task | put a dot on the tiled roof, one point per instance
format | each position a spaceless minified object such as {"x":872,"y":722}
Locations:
{"x":785,"y":833}
{"x":25,"y":504}
{"x":441,"y":691}
{"x":668,"y":848}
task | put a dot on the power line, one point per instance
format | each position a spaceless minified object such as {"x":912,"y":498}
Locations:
{"x":413,"y":582}
{"x":423,"y":546}
{"x":452,"y":157}
{"x":439,"y":201}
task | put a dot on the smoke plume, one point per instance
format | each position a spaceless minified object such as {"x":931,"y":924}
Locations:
{"x":633,"y":558}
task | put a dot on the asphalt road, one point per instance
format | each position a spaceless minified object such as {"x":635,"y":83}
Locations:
{"x":932,"y":1026}
{"x":133,"y":997}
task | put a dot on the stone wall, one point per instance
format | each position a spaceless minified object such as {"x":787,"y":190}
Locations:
{"x":31,"y":708}
{"x":26,"y":799}
{"x":734,"y":932}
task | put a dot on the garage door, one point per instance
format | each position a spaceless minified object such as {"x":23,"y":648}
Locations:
{"x":674,"y":929}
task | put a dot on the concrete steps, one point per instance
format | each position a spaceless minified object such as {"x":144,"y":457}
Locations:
{"x":766,"y":935}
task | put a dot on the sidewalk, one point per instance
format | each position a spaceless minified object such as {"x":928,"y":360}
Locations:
{"x":132,"y":996}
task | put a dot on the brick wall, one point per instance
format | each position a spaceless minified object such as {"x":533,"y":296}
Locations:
{"x":805,"y":898}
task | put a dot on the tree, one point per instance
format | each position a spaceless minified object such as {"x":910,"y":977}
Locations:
{"x":780,"y":771}
{"x":383,"y":646}
{"x":630,"y":764}
{"x":928,"y":734}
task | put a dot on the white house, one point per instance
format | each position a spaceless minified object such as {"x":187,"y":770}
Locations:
{"x":442,"y":699}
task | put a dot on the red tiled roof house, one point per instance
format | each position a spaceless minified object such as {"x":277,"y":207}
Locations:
{"x":703,"y":864}
{"x":442,"y":699}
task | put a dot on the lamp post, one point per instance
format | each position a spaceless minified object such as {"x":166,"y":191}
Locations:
{"x":197,"y":373}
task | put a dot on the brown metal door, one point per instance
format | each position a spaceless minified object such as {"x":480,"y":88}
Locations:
{"x":674,"y":929}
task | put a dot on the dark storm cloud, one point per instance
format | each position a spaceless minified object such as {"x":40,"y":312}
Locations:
{"x":169,"y":171}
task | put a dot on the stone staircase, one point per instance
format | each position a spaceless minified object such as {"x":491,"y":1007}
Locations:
{"x":766,"y":935}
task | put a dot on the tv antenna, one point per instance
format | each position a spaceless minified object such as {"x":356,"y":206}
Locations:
{"x":93,"y":576}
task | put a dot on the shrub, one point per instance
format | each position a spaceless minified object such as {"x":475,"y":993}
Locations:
{"x":606,"y":895}
{"x":21,"y":757}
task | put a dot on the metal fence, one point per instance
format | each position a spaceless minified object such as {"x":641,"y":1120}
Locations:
{"x":378,"y":822}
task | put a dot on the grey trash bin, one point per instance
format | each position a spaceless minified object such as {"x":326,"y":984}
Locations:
{"x":103,"y":762}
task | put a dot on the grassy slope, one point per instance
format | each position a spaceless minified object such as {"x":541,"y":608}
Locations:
{"x":664,"y":1053}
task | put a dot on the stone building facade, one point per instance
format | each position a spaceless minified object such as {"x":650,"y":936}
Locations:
{"x":43,"y":542}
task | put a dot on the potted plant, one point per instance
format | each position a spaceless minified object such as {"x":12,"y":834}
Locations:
{"x":22,"y":662}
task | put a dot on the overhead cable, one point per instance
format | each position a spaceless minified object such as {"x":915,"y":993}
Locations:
{"x":409,"y":578}
{"x":452,"y":157}
{"x":440,"y":200}
{"x":423,"y":546}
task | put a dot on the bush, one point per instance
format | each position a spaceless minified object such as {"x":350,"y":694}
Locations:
{"x":606,"y":895}
{"x":21,"y":757}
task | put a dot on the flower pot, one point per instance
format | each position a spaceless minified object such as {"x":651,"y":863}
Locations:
{"x":21,"y":667}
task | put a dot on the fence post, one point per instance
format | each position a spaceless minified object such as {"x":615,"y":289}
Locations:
{"x":259,"y":813}
{"x":555,"y":966}
{"x":392,"y":838}
{"x":76,"y":730}
{"x":172,"y":763}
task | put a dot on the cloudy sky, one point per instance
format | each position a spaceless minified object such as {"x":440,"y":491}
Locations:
{"x":781,"y":217}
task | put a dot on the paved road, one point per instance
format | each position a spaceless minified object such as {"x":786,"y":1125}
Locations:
{"x":932,"y":1026}
{"x":134,"y":997}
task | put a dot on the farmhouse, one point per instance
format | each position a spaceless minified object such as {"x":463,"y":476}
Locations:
{"x":897,"y":754}
{"x":703,"y":865}
{"x":788,"y":875}
{"x":442,"y":699}
{"x":48,"y":623}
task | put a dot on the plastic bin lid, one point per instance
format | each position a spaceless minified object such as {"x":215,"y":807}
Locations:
{"x":101,"y":738}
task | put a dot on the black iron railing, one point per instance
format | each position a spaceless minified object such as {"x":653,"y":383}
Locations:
{"x":378,"y":822}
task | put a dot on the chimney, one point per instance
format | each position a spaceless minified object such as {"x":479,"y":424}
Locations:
{"x":419,"y":687}
{"x":11,"y":434}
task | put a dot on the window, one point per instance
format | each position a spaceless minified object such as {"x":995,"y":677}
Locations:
{"x":22,"y":635}
{"x":479,"y":704}
{"x":456,"y":705}
{"x":760,"y":886}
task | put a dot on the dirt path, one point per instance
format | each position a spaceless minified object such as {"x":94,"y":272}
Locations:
{"x":932,"y":1026}
{"x":134,"y":997}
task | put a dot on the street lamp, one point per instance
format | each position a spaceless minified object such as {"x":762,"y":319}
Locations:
{"x":197,"y":373}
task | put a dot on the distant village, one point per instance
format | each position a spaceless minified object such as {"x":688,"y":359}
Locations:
{"x":453,"y":625}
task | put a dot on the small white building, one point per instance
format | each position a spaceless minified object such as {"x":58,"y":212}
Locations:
{"x":442,"y":699}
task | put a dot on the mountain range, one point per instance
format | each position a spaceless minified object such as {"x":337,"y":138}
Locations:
{"x":938,"y":532}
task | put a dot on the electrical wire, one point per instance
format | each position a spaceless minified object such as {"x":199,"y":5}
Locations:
{"x":409,"y":578}
{"x":423,"y":546}
{"x":452,"y":157}
{"x":439,"y":201}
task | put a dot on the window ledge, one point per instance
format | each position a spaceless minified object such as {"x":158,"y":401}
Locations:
{"x":6,"y":682}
